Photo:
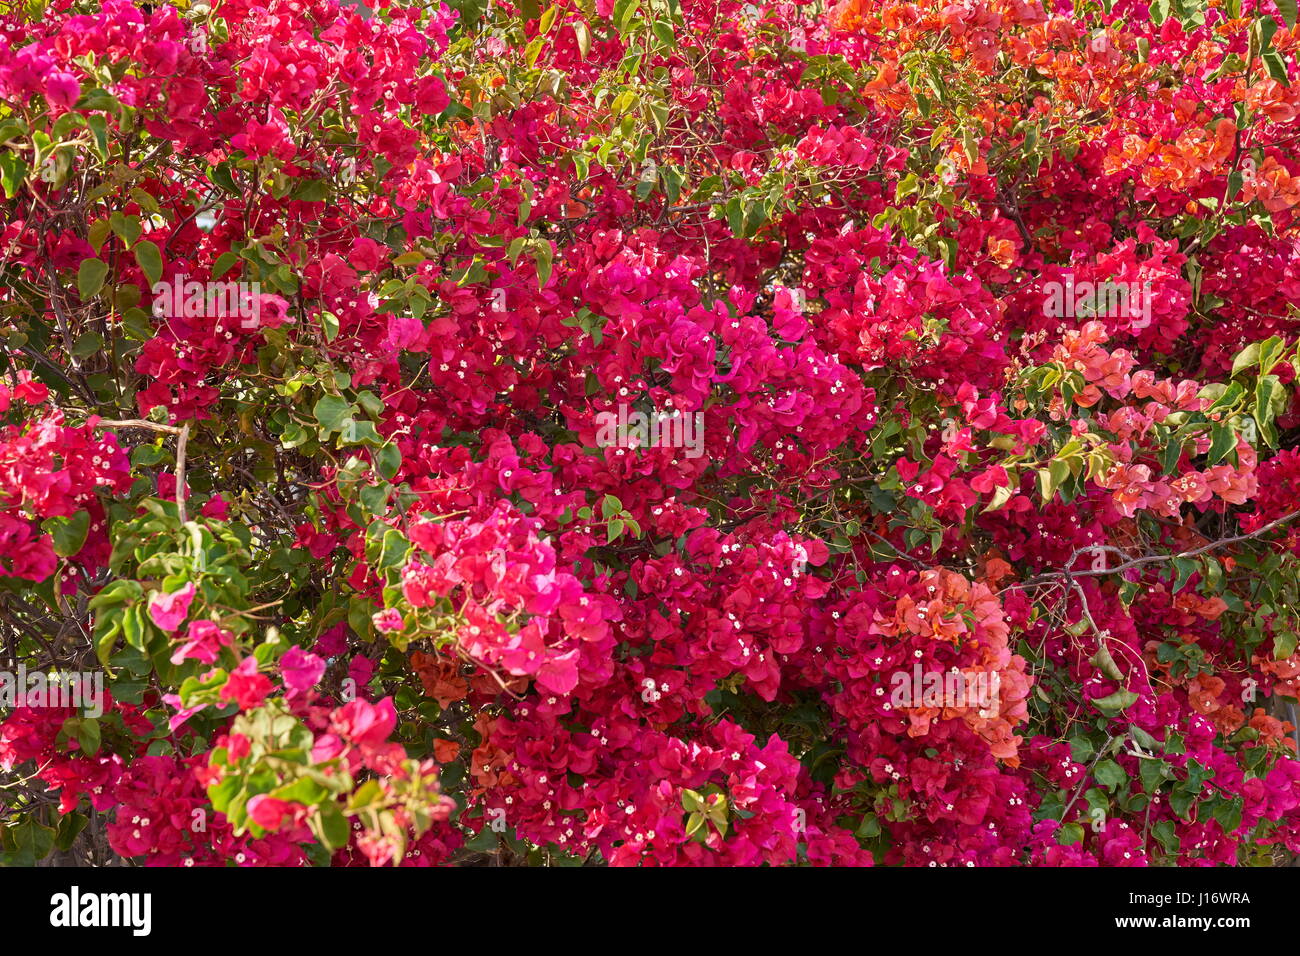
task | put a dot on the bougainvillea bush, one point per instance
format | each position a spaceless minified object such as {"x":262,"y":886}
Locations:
{"x":619,"y":432}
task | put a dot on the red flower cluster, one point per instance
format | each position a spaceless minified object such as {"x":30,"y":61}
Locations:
{"x":965,"y":534}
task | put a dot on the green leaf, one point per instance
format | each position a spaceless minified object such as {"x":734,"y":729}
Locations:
{"x":1224,"y":397}
{"x":107,"y":627}
{"x":1173,"y":453}
{"x":1001,"y":496}
{"x":542,"y":256}
{"x":906,"y":186}
{"x":374,"y":498}
{"x":331,"y":412}
{"x":329,"y":325}
{"x":695,"y":828}
{"x":1105,"y":663}
{"x":583,"y":34}
{"x":30,"y":840}
{"x":88,"y":736}
{"x":360,"y":433}
{"x":1109,"y":774}
{"x":312,"y":190}
{"x":224,"y":263}
{"x":1222,"y":440}
{"x":90,"y":278}
{"x":133,"y":628}
{"x":1165,"y":832}
{"x":1276,"y":66}
{"x":98,"y":232}
{"x":1181,"y":800}
{"x":13,"y":172}
{"x":99,"y":127}
{"x":1270,"y":399}
{"x":1184,"y":568}
{"x":623,"y":13}
{"x":1271,"y":351}
{"x":394,"y":550}
{"x":150,"y":260}
{"x":69,"y":533}
{"x":119,"y":592}
{"x":128,"y":227}
{"x":1051,"y":477}
{"x":1069,"y":834}
{"x":388,"y":460}
{"x":1228,"y":812}
{"x":1142,"y":738}
{"x":1288,"y":10}
{"x":485,"y":841}
{"x":70,"y":824}
{"x":1152,"y":773}
{"x":87,"y":344}
{"x":332,"y":826}
{"x":533,"y":50}
{"x":1117,"y":701}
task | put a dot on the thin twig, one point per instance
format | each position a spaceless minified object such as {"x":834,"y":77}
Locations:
{"x":182,"y":433}
{"x":1155,"y":558}
{"x":1087,"y":774}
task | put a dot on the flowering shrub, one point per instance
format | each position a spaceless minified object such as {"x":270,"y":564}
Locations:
{"x":314,"y":324}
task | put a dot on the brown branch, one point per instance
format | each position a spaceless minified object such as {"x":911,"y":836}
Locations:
{"x":1151,"y":559}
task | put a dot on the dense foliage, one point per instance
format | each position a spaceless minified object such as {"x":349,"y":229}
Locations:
{"x":314,"y":323}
